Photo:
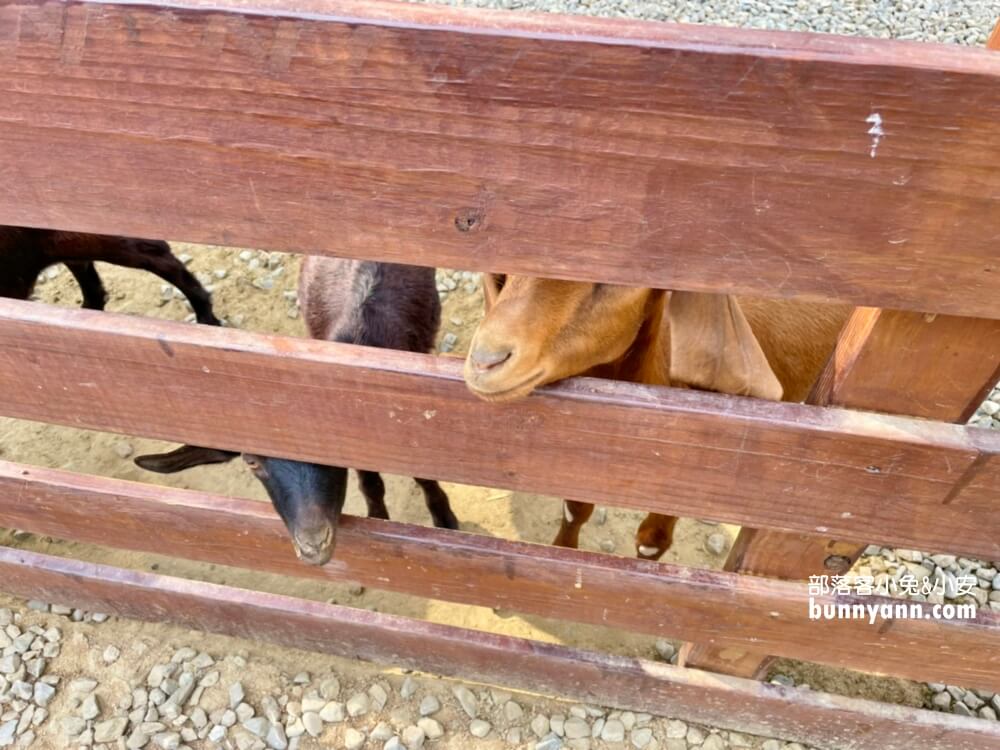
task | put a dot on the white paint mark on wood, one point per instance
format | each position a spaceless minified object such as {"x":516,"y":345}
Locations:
{"x":875,"y":131}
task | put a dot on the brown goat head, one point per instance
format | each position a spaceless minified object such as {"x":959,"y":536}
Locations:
{"x":537,"y":331}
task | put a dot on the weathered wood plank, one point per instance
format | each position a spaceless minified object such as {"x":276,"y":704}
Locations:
{"x":818,"y":719}
{"x":664,"y":600}
{"x":934,"y":366}
{"x":792,"y":467}
{"x":678,"y":157}
{"x":889,"y":361}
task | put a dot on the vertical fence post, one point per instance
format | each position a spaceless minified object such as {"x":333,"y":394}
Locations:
{"x":897,"y":362}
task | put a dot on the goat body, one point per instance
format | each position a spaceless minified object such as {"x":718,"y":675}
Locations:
{"x":357,"y":302}
{"x":26,"y":252}
{"x":538,"y":331}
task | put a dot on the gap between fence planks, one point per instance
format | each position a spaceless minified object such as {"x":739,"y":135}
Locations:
{"x":945,"y":376}
{"x":671,"y":156}
{"x":857,"y":476}
{"x":933,"y":366}
{"x":826,"y":721}
{"x":635,"y":595}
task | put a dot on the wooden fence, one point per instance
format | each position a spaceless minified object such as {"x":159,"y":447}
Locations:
{"x":778,"y":164}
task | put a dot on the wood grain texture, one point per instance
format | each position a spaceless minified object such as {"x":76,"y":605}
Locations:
{"x":889,"y":361}
{"x":792,"y":467}
{"x":934,"y":366}
{"x":820,"y":720}
{"x":722,"y":608}
{"x":597,"y":149}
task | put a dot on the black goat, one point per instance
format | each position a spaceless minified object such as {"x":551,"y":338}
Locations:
{"x":357,"y":302}
{"x":25,"y":253}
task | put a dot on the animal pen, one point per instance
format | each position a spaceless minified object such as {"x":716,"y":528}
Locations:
{"x":678,"y":157}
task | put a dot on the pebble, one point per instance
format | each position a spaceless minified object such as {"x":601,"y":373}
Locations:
{"x":430,"y":727}
{"x":676,"y":728}
{"x":665,"y":649}
{"x":713,"y":742}
{"x":613,"y":731}
{"x":717,"y":543}
{"x":512,"y":712}
{"x":257,"y":725}
{"x":467,"y":700}
{"x":110,"y":730}
{"x":276,"y":738}
{"x":7,"y":730}
{"x":236,"y":694}
{"x":111,"y":654}
{"x":381,"y":732}
{"x":413,"y":737}
{"x":448,"y":342}
{"x":42,"y":693}
{"x":429,"y":705}
{"x":392,"y":743}
{"x":312,"y":723}
{"x":90,"y":709}
{"x":640,"y":737}
{"x":409,"y":688}
{"x":353,"y":739}
{"x":551,"y":742}
{"x":379,"y":696}
{"x":329,"y":688}
{"x":479,"y":728}
{"x":540,"y":725}
{"x":576,"y":728}
{"x":313,"y":702}
{"x":332,"y":713}
{"x":358,"y":705}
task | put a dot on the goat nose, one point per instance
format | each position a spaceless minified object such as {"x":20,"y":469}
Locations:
{"x":485,"y":359}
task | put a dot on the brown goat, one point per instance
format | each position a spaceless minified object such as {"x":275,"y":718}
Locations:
{"x":26,"y":252}
{"x":537,"y":331}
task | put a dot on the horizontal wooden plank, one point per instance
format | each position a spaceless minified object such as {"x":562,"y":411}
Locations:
{"x":818,"y":719}
{"x":859,"y":170}
{"x":724,"y":609}
{"x":850,"y":475}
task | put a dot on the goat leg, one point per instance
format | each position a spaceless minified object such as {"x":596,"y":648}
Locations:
{"x":94,"y":295}
{"x":655,"y":535}
{"x":438,"y":504}
{"x":373,"y":488}
{"x":575,"y":515}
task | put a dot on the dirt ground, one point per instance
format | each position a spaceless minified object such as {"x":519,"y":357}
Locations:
{"x":241,"y":300}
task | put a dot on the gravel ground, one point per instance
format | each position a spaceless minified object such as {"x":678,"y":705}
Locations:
{"x":949,"y":21}
{"x":171,"y":689}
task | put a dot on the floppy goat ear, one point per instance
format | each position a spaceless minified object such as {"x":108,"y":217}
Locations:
{"x":185,"y":457}
{"x":713,"y":348}
{"x":492,"y":284}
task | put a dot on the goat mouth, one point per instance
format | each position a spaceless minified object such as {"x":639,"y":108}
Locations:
{"x":520,"y":390}
{"x":311,"y":551}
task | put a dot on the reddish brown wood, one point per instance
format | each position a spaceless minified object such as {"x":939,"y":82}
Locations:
{"x":797,"y":468}
{"x":890,"y":361}
{"x":934,"y":366}
{"x":636,"y":595}
{"x":678,"y":157}
{"x":820,"y":720}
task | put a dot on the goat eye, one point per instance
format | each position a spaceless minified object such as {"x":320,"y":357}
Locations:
{"x":253,"y":463}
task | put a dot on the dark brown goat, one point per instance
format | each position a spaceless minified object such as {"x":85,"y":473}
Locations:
{"x":25,"y":253}
{"x":354,"y":302}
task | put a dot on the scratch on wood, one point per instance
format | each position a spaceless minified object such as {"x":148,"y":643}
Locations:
{"x":10,"y":31}
{"x":283,"y":46}
{"x":74,"y":34}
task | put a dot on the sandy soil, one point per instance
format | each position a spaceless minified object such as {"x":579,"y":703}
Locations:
{"x":484,"y":510}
